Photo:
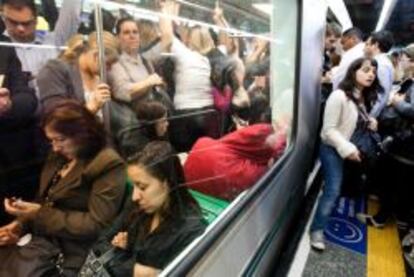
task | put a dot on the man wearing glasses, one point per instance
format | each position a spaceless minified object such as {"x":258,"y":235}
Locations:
{"x":35,"y":49}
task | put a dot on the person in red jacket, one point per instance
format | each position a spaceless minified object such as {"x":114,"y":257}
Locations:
{"x":227,"y":166}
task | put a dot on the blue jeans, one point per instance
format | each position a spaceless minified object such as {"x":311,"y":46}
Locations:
{"x":332,"y":170}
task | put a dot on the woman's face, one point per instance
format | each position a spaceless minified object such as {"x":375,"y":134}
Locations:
{"x":61,"y":145}
{"x":406,"y":63}
{"x":161,"y":126}
{"x":365,"y":75}
{"x":150,"y":194}
{"x":129,"y":36}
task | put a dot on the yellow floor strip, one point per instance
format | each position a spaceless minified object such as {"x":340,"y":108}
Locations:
{"x":384,"y":257}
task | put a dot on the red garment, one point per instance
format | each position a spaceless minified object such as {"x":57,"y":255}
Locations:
{"x":233,"y":163}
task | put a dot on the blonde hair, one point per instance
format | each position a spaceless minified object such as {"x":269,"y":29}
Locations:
{"x":148,"y":32}
{"x":79,"y":44}
{"x":200,"y":40}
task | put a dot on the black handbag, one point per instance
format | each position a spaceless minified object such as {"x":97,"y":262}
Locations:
{"x":367,"y":141}
{"x":94,"y":265}
{"x":39,"y":258}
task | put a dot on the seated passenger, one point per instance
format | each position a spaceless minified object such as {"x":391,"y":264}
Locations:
{"x":75,"y":75}
{"x":153,"y":125}
{"x":158,"y":224}
{"x":17,"y":129}
{"x":81,"y":191}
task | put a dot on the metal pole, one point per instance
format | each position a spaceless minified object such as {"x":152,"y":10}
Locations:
{"x":102,"y":64}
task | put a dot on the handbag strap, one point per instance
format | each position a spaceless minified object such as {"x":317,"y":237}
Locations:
{"x":107,"y":256}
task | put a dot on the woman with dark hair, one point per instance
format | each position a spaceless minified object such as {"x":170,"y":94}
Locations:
{"x":356,"y":93}
{"x":153,"y":125}
{"x":158,"y":224}
{"x":153,"y":115}
{"x":81,"y":191}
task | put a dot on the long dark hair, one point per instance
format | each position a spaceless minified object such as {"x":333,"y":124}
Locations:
{"x":349,"y":83}
{"x":148,"y":113}
{"x":160,"y":161}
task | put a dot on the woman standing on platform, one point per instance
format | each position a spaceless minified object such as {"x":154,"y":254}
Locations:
{"x":356,"y":92}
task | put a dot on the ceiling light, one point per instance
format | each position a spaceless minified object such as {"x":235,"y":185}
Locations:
{"x":386,"y":12}
{"x":338,"y":8}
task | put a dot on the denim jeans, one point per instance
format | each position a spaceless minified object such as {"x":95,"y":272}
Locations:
{"x":332,"y":170}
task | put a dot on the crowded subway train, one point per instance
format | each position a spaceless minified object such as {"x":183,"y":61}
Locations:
{"x":206,"y":138}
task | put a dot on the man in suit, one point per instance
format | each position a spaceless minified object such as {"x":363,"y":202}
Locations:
{"x":17,"y":129}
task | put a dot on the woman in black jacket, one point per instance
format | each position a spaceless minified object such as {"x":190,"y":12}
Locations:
{"x":159,"y":223}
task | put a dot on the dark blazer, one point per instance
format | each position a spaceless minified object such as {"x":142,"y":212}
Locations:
{"x":81,"y":204}
{"x":17,"y":129}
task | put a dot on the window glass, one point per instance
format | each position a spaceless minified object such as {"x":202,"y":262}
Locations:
{"x":214,"y":79}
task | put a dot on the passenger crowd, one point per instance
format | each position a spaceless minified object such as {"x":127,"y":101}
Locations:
{"x":367,"y":133}
{"x":91,"y":183}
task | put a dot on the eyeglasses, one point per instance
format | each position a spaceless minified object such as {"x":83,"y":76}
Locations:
{"x":14,"y":23}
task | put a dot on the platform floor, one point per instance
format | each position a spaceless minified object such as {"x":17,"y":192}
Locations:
{"x":352,"y":248}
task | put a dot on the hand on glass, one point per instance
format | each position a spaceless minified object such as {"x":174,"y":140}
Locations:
{"x":10,"y":233}
{"x":355,"y":156}
{"x":5,"y":101}
{"x":120,"y":240}
{"x":21,"y":209}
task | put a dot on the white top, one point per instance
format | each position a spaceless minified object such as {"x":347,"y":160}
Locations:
{"x":192,"y":78}
{"x":347,"y":58}
{"x":385,"y":73}
{"x":339,"y":123}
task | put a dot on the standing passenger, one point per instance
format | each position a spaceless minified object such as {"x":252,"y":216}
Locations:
{"x":132,"y":77}
{"x":20,"y":18}
{"x":353,"y":46}
{"x":75,"y":75}
{"x":193,"y":97}
{"x":339,"y":122}
{"x":377,"y":47}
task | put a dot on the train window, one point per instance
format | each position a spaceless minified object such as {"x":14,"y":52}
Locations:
{"x":214,"y":79}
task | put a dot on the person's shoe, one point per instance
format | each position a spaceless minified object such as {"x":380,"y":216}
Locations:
{"x":317,"y":240}
{"x":369,"y":220}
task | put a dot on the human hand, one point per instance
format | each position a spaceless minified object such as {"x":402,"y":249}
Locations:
{"x":355,"y":156}
{"x":155,"y":80}
{"x":120,"y":240}
{"x":141,"y":270}
{"x":5,"y":101}
{"x":217,"y":13}
{"x":397,"y":98}
{"x":373,"y":124}
{"x":10,"y":233}
{"x":21,"y":209}
{"x":100,"y":96}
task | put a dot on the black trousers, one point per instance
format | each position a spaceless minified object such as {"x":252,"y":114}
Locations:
{"x":395,"y":189}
